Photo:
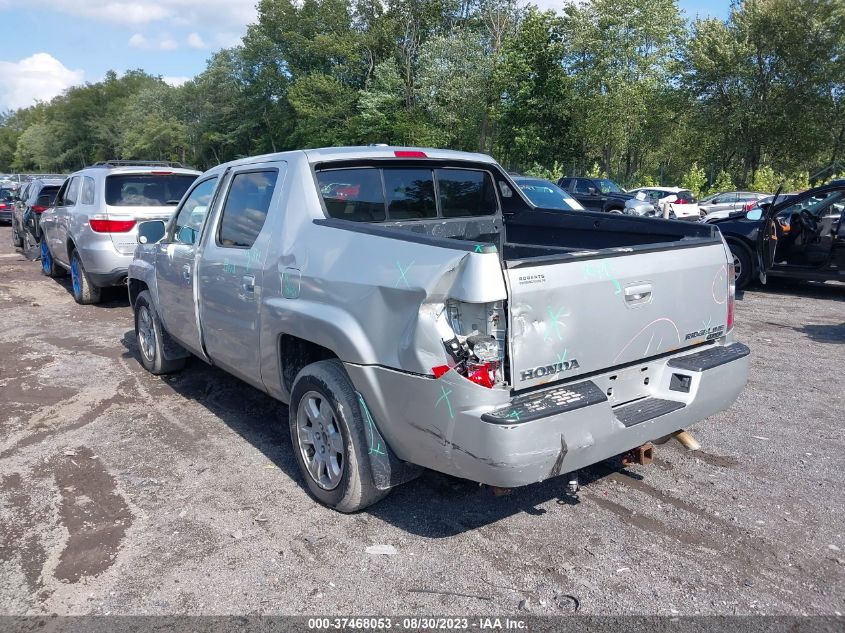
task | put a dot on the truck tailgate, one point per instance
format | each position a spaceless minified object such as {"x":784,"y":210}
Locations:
{"x":575,"y":315}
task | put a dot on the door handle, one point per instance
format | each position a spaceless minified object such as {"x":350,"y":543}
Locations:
{"x":186,"y":272}
{"x":248,"y":283}
{"x":638,"y":294}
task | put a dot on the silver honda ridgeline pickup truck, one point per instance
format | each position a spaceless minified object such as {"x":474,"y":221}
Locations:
{"x":417,"y":311}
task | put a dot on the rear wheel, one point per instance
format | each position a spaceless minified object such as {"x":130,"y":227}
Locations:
{"x":48,"y":265}
{"x":327,"y":434}
{"x":149,"y":332}
{"x":84,"y":291}
{"x":742,"y":266}
{"x":17,"y":241}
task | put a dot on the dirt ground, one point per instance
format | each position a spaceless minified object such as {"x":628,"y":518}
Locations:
{"x":125,"y":493}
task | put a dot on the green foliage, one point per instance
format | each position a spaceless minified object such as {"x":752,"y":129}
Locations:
{"x":623,"y":88}
{"x":694,"y":179}
{"x":723,"y":182}
{"x":539,"y":171}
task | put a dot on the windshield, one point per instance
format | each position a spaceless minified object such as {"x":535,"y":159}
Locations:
{"x":608,"y":186}
{"x":549,"y":196}
{"x":146,"y":190}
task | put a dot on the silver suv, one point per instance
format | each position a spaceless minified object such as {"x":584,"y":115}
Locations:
{"x":92,"y":229}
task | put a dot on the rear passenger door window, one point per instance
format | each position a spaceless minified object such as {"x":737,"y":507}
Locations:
{"x":246,"y":207}
{"x":410,"y":194}
{"x":465,"y":193}
{"x":87,"y":196}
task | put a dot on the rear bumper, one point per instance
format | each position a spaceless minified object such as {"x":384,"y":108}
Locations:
{"x":454,"y":426}
{"x":104,"y":265}
{"x":6,"y":216}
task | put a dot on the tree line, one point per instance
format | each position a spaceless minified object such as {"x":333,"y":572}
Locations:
{"x":624,"y":88}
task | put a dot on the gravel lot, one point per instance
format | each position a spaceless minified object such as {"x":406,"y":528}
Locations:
{"x":125,"y":493}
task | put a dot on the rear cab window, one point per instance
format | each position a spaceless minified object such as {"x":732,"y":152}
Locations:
{"x":146,"y":190}
{"x":406,"y":193}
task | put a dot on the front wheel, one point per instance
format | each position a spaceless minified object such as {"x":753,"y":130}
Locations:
{"x":84,"y":291}
{"x":742,"y":266}
{"x":327,"y":433}
{"x":149,"y":333}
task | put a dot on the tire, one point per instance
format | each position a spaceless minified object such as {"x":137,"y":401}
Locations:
{"x":49,"y":266}
{"x":742,"y":265}
{"x":149,"y":332}
{"x":84,"y":291}
{"x":17,"y":240}
{"x":325,"y":418}
{"x":615,"y":210}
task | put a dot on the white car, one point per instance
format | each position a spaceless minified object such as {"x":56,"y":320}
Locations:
{"x":673,"y":201}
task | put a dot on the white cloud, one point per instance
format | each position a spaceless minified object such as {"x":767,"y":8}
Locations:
{"x":163,"y":43}
{"x":175,"y":81}
{"x":37,"y":78}
{"x":235,"y":14}
{"x":195,"y":41}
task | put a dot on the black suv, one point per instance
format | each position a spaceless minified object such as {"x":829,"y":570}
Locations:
{"x":596,"y":194}
{"x":35,"y":198}
{"x":802,"y":236}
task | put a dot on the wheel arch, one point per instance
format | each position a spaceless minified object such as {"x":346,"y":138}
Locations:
{"x":136,"y":287}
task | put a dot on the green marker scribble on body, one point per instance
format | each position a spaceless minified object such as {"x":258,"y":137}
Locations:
{"x":479,"y":248}
{"x":514,"y":415}
{"x":446,"y":397}
{"x":228,"y":267}
{"x":252,"y":257}
{"x":561,"y":358}
{"x":375,"y":445}
{"x":601,"y":270}
{"x":554,"y":318}
{"x":402,"y":273}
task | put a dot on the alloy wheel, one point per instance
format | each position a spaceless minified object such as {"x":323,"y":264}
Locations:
{"x":320,"y":440}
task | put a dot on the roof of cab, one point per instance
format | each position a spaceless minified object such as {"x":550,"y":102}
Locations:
{"x":390,"y":152}
{"x":327,"y":154}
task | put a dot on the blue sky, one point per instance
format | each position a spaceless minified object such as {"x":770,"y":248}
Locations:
{"x":50,"y":45}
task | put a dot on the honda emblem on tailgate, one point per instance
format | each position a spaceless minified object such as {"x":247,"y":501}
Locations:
{"x":548,"y":370}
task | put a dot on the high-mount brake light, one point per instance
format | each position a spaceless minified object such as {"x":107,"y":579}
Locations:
{"x":111,"y":226}
{"x":161,"y":173}
{"x":400,"y":153}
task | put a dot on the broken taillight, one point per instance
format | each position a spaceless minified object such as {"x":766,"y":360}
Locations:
{"x":731,"y":295}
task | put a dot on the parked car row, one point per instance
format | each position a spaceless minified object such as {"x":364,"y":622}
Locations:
{"x":413,"y":307}
{"x":86,"y":225}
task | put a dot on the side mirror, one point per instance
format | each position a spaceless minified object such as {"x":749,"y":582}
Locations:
{"x":151,"y":232}
{"x":591,"y":190}
{"x":640,"y":195}
{"x":671,"y":199}
{"x":754,"y":214}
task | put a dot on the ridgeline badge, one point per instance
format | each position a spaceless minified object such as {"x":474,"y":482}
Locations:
{"x":710,"y":332}
{"x":548,"y":370}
